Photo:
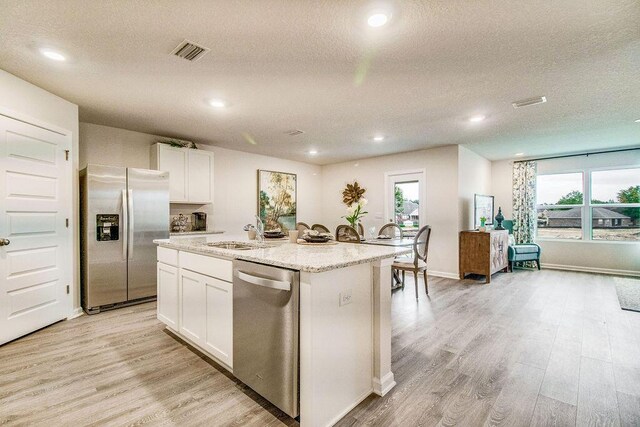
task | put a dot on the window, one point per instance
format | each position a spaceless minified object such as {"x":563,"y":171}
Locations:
{"x":560,"y":206}
{"x":615,"y":205}
{"x":607,"y":209}
{"x":407,"y":205}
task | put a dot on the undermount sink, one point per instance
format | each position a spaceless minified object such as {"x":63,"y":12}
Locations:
{"x":238,"y":246}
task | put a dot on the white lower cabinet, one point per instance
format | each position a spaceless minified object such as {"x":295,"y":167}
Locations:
{"x":168,"y":295}
{"x":197,"y":306}
{"x":219,"y":319}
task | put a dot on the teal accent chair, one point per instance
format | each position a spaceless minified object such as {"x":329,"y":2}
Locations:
{"x":521,"y":252}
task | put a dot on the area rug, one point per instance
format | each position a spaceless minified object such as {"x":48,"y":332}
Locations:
{"x":628,"y":290}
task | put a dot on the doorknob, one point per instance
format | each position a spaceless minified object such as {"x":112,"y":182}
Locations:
{"x":4,"y":242}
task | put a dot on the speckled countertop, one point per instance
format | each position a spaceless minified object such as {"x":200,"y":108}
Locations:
{"x":312,"y":259}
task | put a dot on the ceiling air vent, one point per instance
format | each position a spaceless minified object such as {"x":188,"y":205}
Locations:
{"x":190,"y":51}
{"x":294,"y":132}
{"x":529,"y":101}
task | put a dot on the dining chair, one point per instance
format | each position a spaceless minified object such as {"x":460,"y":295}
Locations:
{"x":346,"y":233}
{"x":391,"y":230}
{"x":360,"y":229}
{"x":301,"y":226}
{"x":419,"y":262}
{"x":321,"y":228}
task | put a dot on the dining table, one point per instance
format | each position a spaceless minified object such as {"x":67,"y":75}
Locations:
{"x":394,"y":241}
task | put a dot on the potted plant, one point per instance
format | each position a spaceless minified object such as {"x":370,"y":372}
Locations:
{"x":483,"y":220}
{"x":352,"y":197}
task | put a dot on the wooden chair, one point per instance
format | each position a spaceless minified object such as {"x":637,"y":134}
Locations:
{"x":360,"y":229}
{"x":321,"y":228}
{"x":392,"y":230}
{"x":419,"y":262}
{"x":301,"y":226}
{"x":346,"y":233}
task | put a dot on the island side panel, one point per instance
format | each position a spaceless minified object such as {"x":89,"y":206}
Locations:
{"x":383,"y":379}
{"x":336,"y":343}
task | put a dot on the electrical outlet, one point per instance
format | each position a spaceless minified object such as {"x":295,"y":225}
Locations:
{"x":345,"y":297}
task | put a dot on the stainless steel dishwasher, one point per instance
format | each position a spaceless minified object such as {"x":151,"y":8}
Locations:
{"x":265,"y":332}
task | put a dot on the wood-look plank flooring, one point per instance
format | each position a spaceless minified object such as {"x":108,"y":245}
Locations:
{"x":531,"y":348}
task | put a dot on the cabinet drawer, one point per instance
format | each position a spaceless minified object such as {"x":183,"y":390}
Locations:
{"x":168,"y":256}
{"x":215,"y":267}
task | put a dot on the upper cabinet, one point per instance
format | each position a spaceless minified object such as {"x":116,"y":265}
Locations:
{"x":190,"y":172}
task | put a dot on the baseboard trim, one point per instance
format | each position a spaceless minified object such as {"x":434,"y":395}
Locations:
{"x":77,"y":312}
{"x":443,"y":274}
{"x":591,"y":269}
{"x":384,"y":385}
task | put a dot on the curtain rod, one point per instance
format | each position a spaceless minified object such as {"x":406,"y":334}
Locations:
{"x":577,"y":155}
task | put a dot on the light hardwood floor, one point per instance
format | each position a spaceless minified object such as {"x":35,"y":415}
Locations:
{"x":531,"y":348}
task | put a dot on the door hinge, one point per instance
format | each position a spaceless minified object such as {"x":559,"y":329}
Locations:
{"x":66,"y":221}
{"x":67,"y":289}
{"x":66,"y":155}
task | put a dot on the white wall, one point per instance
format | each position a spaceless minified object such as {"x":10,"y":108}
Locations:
{"x":24,"y":101}
{"x":441,"y":166}
{"x":235,"y":176}
{"x":613,"y":257}
{"x":474,"y":177}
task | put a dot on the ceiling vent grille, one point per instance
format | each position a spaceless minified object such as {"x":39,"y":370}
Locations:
{"x":529,"y":101}
{"x":190,"y":51}
{"x":294,"y":132}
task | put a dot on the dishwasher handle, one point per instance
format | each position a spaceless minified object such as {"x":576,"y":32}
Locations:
{"x":261,"y":281}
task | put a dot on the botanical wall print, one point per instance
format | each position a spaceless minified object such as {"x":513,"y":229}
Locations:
{"x":524,"y":202}
{"x":277,"y":200}
{"x":352,"y":196}
{"x":483,"y":208}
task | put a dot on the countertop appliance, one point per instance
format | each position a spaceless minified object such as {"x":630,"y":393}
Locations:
{"x":122,"y":210}
{"x":265,"y":332}
{"x":199,"y":221}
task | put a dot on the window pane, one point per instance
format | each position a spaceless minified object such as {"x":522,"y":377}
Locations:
{"x":621,"y":224}
{"x":560,"y":189}
{"x":407,"y":203}
{"x":615,"y":186}
{"x":560,"y":223}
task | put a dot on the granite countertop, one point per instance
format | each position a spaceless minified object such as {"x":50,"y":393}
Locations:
{"x":312,"y":259}
{"x":191,"y":233}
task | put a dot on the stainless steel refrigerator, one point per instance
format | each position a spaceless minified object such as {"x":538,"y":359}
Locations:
{"x":122,"y":210}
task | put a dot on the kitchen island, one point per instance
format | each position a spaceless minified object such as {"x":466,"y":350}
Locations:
{"x":344,"y":313}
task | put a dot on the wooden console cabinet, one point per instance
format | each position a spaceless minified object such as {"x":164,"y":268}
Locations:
{"x":483,"y":252}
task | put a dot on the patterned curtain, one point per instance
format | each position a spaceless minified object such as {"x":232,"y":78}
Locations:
{"x":524,"y":202}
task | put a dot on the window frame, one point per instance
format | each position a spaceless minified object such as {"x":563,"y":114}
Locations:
{"x":581,"y":206}
{"x":587,"y":206}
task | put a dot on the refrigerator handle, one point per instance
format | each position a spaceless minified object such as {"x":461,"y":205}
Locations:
{"x":125,"y":225}
{"x":131,"y":228}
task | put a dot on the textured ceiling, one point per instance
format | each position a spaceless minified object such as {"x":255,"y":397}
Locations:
{"x":315,"y":66}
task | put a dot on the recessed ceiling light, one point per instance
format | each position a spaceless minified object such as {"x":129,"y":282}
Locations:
{"x":378,"y":138}
{"x":217,"y":103}
{"x":52,"y":54}
{"x":519,"y":154}
{"x":377,"y":19}
{"x":476,"y":119}
{"x":313,"y":152}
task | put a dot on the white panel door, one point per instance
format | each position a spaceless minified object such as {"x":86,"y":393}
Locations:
{"x":168,"y":295}
{"x":200,"y":173}
{"x":174,"y":161}
{"x":219,"y":329}
{"x":36,"y":252}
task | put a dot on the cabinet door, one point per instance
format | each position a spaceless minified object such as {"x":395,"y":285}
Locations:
{"x":200,"y":176}
{"x":219,"y":329}
{"x":192,"y":306}
{"x":168,"y":295}
{"x":174,"y":161}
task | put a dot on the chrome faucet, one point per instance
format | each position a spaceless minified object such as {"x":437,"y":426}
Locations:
{"x":259,"y":229}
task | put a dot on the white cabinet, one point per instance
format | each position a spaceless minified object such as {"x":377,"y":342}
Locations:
{"x":190,"y":172}
{"x":195,"y":299}
{"x":168,"y":295}
{"x":219,"y":319}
